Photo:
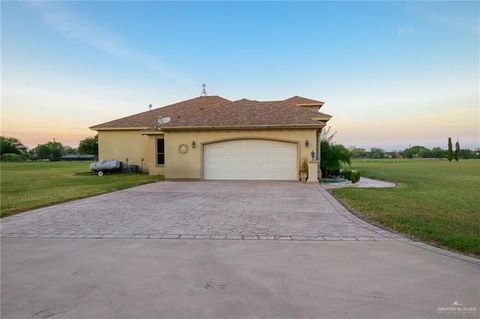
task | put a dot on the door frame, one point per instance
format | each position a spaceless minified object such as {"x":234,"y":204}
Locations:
{"x":202,"y":155}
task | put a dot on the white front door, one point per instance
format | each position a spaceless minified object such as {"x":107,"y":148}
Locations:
{"x":250,"y":159}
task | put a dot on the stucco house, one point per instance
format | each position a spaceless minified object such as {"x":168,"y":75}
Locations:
{"x":212,"y":138}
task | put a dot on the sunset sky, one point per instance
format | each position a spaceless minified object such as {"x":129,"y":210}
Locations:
{"x":390,"y":73}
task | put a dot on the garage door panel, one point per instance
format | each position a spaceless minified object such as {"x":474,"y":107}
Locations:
{"x":250,"y":160}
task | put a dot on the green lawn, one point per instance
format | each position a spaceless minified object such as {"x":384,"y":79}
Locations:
{"x":436,"y":201}
{"x":28,"y":185}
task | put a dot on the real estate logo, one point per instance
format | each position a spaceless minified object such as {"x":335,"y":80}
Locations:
{"x":457,"y":308}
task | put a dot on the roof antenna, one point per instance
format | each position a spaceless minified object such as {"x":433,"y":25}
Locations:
{"x":150,"y":106}
{"x":204,"y":92}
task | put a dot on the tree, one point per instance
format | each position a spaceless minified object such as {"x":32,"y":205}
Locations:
{"x":51,"y":150}
{"x":325,"y":134}
{"x":377,"y":153}
{"x":69,"y":150}
{"x":417,"y":151}
{"x":358,"y":153}
{"x":343,"y":154}
{"x":425,"y":153}
{"x":467,"y":153}
{"x":457,"y":151}
{"x":332,"y":157}
{"x":438,"y":152}
{"x":89,"y":146}
{"x":450,"y":151}
{"x":11,"y":145}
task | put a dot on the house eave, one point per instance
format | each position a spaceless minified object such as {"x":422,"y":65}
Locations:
{"x":321,"y":118}
{"x":315,"y":105}
{"x":244,"y":127}
{"x":136,"y":128}
{"x":158,"y":132}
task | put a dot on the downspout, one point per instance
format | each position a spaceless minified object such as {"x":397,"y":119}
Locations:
{"x":319,"y":131}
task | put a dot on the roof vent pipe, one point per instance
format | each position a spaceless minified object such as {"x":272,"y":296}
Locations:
{"x":204,"y":91}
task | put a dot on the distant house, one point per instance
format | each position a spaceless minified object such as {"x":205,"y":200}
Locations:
{"x":212,"y":138}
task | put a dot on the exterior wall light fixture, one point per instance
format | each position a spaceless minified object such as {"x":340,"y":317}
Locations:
{"x":193,"y":144}
{"x":307,"y":143}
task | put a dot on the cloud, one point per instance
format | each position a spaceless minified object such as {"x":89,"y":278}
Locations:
{"x":406,"y":30}
{"x":74,"y":27}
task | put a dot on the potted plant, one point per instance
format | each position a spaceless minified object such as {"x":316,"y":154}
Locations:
{"x":304,"y":170}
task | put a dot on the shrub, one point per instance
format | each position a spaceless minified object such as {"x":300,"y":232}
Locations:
{"x":332,"y":157}
{"x":304,"y":168}
{"x":355,"y":177}
{"x":12,"y":157}
{"x":347,"y":174}
{"x":351,"y":175}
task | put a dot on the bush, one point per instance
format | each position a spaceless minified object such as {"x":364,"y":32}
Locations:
{"x":304,"y":169}
{"x":12,"y":157}
{"x":331,"y":158}
{"x":347,"y":174}
{"x":351,"y":175}
{"x":355,"y":177}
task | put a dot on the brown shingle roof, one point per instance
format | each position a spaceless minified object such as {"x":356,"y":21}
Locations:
{"x":299,"y":100}
{"x":248,"y":113}
{"x":216,"y":112}
{"x":150,"y":118}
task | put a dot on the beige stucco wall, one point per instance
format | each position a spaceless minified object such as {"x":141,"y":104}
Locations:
{"x":135,"y":145}
{"x":151,"y":157}
{"x":120,"y":145}
{"x":189,"y":165}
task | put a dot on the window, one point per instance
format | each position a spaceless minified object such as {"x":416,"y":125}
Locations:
{"x":160,"y":151}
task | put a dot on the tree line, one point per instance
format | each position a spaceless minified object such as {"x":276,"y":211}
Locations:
{"x":418,"y":152}
{"x":334,"y":157}
{"x":11,"y":149}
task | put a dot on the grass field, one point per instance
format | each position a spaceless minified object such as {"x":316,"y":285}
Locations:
{"x":29,"y":185}
{"x":436,"y":201}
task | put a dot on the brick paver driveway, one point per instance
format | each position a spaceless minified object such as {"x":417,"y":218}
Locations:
{"x":200,"y":210}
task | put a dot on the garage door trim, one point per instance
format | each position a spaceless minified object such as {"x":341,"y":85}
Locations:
{"x":202,"y":157}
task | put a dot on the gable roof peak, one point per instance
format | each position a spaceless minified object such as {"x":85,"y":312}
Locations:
{"x":303,"y":101}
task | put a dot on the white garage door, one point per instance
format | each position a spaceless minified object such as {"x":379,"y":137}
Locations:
{"x":250,"y":160}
